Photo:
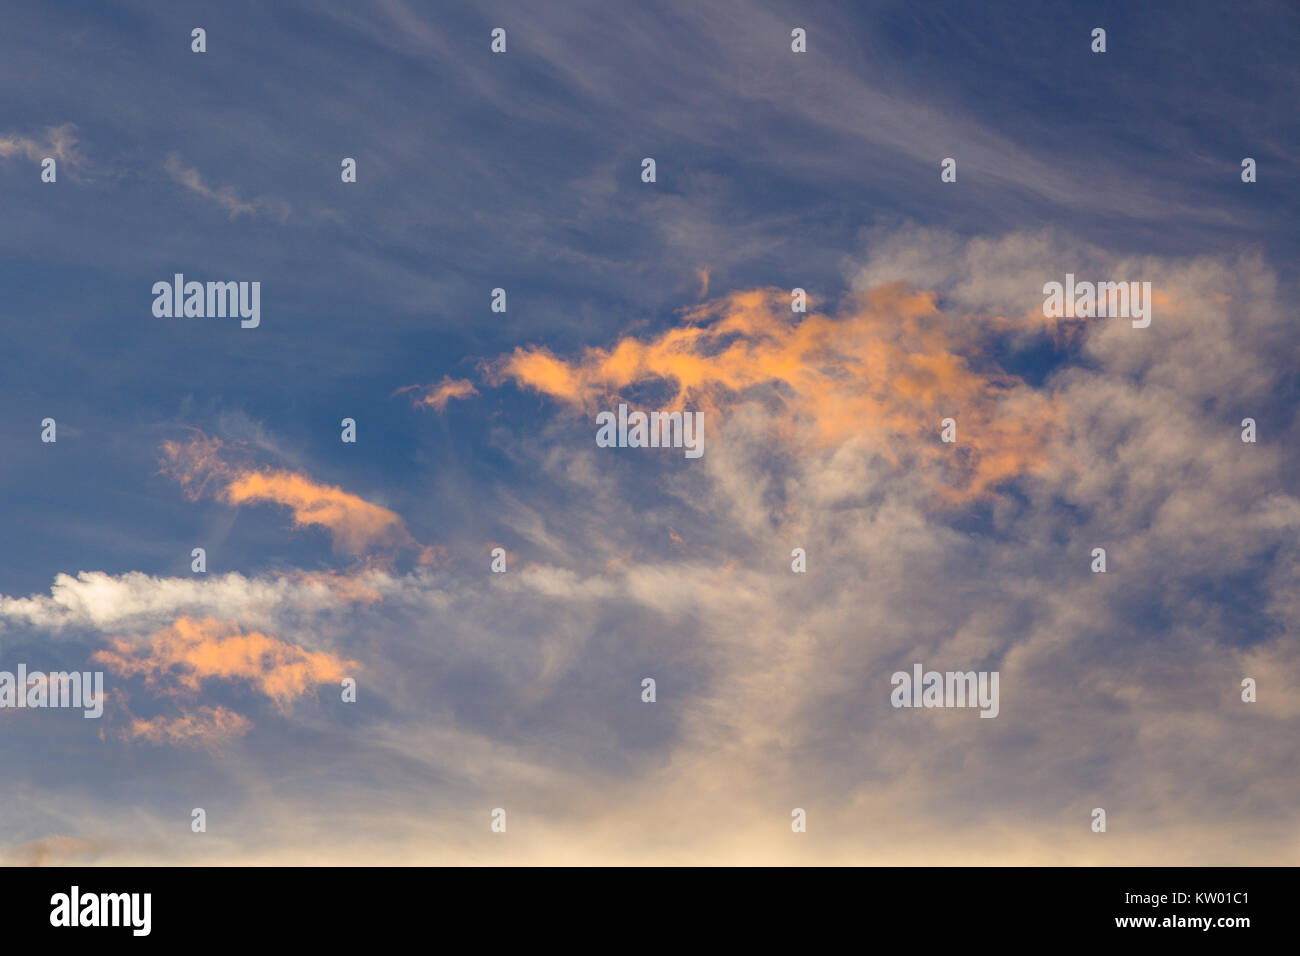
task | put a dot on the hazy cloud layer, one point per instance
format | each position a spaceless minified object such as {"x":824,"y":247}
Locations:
{"x":521,"y":690}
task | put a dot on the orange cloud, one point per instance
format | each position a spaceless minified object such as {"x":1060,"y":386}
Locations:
{"x":437,"y":396}
{"x":197,"y":463}
{"x":180,"y":658}
{"x":207,"y":726}
{"x":356,"y":525}
{"x":886,"y":373}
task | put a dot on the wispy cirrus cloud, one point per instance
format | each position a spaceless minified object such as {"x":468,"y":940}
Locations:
{"x":224,"y":196}
{"x":58,"y":142}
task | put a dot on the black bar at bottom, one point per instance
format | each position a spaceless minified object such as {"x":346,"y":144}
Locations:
{"x":653,"y":907}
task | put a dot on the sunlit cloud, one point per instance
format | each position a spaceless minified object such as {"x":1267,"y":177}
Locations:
{"x":180,"y":659}
{"x":437,"y":396}
{"x":884,"y":372}
{"x":203,"y":726}
{"x":356,"y":525}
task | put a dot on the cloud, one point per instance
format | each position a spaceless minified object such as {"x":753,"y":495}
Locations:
{"x":884,"y":373}
{"x":226,"y":197}
{"x":96,"y":600}
{"x":179,"y":659}
{"x":437,"y":396}
{"x":203,"y":726}
{"x":356,"y":525}
{"x":1119,"y":690}
{"x":59,"y":142}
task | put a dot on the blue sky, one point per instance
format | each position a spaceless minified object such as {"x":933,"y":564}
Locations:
{"x":774,"y":170}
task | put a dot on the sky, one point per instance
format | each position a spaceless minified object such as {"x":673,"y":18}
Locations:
{"x":372,"y":560}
